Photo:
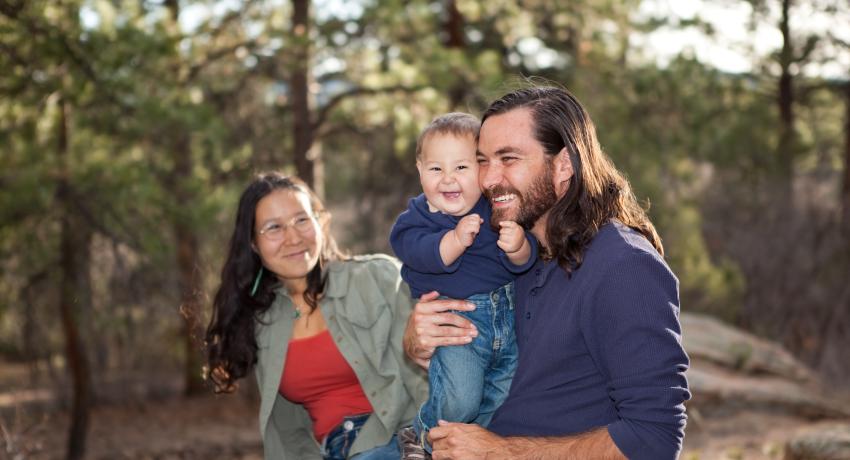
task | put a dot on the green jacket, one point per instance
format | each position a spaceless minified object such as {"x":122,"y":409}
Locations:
{"x":366,"y":306}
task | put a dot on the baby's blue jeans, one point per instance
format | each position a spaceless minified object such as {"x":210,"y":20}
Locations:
{"x":467,"y":383}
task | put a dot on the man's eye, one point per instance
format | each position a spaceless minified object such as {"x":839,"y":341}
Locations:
{"x":481,"y":161}
{"x":508,"y":159}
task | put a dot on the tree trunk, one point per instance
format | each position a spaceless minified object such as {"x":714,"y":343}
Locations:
{"x":787,"y":140}
{"x":73,"y":263}
{"x":302,"y":127}
{"x":454,"y":38}
{"x":186,"y":240}
{"x":845,"y":192}
{"x":187,"y":263}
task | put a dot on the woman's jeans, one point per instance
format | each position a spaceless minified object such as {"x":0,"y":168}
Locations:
{"x":338,"y":442}
{"x":467,"y":383}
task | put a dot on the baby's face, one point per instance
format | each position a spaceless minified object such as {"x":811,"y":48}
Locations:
{"x":448,"y":172}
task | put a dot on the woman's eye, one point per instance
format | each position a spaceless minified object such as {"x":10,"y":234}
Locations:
{"x":272,"y":228}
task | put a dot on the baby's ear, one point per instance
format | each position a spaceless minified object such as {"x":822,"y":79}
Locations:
{"x":419,"y":166}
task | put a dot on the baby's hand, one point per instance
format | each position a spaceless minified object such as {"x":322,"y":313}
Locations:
{"x":511,"y":236}
{"x":467,"y":229}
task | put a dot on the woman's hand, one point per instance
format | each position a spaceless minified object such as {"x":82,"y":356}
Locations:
{"x":432,"y":325}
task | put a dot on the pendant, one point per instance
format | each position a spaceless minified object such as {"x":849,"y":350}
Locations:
{"x":296,"y":314}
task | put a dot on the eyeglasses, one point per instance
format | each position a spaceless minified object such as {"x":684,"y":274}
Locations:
{"x":274,"y":231}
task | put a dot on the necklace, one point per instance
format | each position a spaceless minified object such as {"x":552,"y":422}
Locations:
{"x":296,"y":314}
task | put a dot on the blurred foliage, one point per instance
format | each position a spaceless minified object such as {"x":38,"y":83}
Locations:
{"x":148,"y":94}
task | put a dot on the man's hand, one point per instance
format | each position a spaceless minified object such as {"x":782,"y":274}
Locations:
{"x":467,"y":229}
{"x":432,"y":324}
{"x":511,"y":236}
{"x":461,"y":441}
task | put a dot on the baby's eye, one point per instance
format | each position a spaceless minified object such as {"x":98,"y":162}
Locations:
{"x":462,"y":167}
{"x":434,"y":168}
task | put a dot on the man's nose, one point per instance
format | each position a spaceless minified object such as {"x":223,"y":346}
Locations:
{"x":489,"y":175}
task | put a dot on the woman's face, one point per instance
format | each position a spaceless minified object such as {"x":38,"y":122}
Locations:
{"x":287,"y":236}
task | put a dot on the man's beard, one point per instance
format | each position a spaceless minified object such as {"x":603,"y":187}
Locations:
{"x":536,"y":201}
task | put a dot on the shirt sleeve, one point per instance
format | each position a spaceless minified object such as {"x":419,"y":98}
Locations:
{"x":532,"y":258}
{"x":634,"y":336}
{"x":397,"y":293}
{"x":417,"y":244}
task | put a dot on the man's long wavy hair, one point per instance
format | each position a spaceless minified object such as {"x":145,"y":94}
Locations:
{"x":230,"y":338}
{"x":598,"y":193}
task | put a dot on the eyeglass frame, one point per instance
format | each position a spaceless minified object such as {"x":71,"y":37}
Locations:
{"x":264,"y":232}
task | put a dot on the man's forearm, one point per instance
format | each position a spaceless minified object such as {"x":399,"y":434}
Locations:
{"x":596,"y":444}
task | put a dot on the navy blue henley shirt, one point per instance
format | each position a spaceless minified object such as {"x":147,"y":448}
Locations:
{"x":601,"y":349}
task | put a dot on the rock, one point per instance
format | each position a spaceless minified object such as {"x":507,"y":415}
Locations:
{"x":830,"y":442}
{"x":716,"y":389}
{"x":707,"y":338}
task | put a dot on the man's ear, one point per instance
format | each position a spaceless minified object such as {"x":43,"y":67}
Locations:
{"x":563,"y":168}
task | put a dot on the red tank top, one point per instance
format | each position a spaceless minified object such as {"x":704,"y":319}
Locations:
{"x":317,"y":376}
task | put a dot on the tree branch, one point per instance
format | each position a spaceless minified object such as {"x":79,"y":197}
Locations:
{"x":325,"y":111}
{"x":215,"y":55}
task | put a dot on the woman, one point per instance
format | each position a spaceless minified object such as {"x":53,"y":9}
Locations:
{"x":323,"y":331}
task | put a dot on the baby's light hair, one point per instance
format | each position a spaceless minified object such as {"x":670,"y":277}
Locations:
{"x":455,"y":123}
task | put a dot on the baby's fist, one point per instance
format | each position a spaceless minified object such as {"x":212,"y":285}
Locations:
{"x":467,"y":229}
{"x":511,"y":236}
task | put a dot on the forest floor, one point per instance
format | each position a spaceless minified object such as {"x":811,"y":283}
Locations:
{"x":225,"y":427}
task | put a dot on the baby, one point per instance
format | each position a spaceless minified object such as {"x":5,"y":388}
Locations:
{"x":445,"y":246}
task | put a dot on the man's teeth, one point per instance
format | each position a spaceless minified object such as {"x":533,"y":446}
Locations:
{"x":503,"y":198}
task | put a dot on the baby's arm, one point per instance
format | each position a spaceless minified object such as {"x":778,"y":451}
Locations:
{"x":455,"y":242}
{"x":512,"y":240}
{"x":417,"y":243}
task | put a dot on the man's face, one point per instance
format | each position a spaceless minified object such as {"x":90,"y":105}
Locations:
{"x":516,"y":175}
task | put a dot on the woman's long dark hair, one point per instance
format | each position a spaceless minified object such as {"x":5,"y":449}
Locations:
{"x":230,"y":341}
{"x":598,"y":192}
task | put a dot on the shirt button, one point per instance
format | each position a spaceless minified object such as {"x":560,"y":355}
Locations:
{"x":533,"y":292}
{"x":528,"y":315}
{"x":374,"y":393}
{"x":537,"y":272}
{"x":383,"y":412}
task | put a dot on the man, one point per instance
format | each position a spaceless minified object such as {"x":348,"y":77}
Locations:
{"x":601,"y":368}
